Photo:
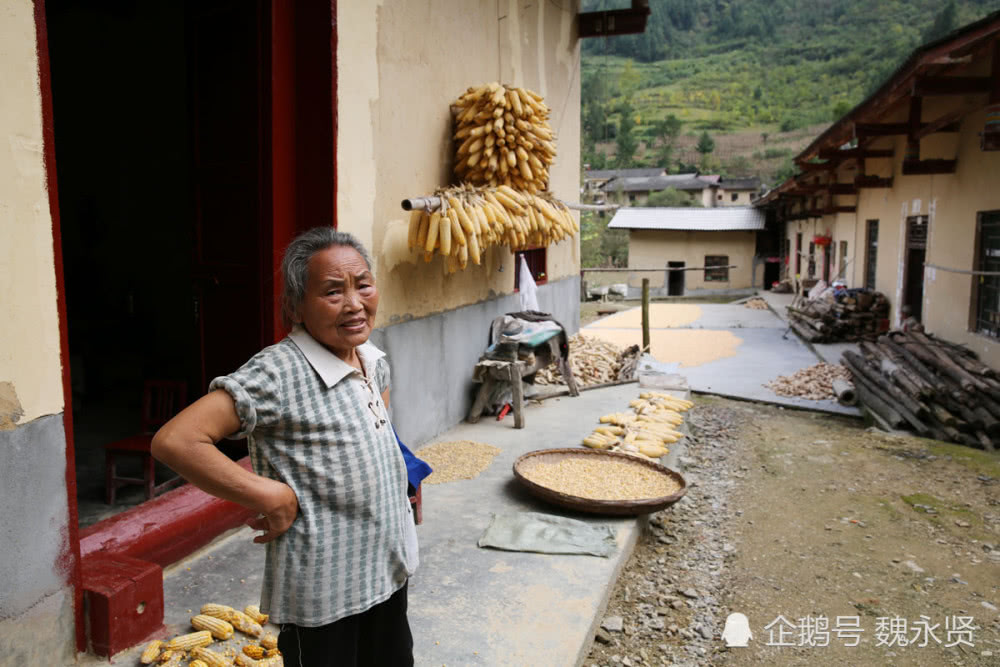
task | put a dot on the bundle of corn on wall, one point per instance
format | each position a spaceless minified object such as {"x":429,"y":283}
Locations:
{"x":503,"y":138}
{"x":471,"y":219}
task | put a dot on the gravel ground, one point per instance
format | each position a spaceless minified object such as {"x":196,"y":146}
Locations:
{"x":811,"y":515}
{"x":665,"y":608}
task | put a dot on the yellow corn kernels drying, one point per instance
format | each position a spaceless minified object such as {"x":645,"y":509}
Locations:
{"x":220,"y":629}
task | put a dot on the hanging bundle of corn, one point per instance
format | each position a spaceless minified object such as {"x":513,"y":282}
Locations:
{"x":471,"y":219}
{"x":503,"y":138}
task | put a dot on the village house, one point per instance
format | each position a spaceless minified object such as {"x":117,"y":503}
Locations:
{"x":633,"y":186}
{"x":712,"y":250}
{"x":900,"y":195}
{"x":157,"y":158}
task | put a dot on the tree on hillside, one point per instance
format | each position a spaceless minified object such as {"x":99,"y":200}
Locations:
{"x":666,"y":132}
{"x":944,"y":22}
{"x":626,"y":139}
{"x":706,"y":144}
{"x":672,"y":197}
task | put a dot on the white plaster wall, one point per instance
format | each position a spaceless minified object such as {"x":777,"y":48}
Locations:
{"x":29,"y":328}
{"x":400,"y":65}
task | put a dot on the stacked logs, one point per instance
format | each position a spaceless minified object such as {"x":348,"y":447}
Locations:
{"x":934,"y":387}
{"x":853,"y":317}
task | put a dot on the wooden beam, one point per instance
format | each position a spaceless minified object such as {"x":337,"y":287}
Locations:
{"x":843,"y":189}
{"x":946,"y":120}
{"x":862,"y":181}
{"x":614,"y":22}
{"x":890,"y":129}
{"x":952,"y":85}
{"x":853,"y":153}
{"x":815,"y":166}
{"x":914,"y":167}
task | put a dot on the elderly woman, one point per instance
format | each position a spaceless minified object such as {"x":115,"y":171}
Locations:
{"x":329,"y":481}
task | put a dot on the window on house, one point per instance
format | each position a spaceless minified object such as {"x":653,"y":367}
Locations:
{"x":720,"y":197}
{"x":987,"y":288}
{"x":735,"y":196}
{"x":798,"y":253}
{"x":871,"y":254}
{"x":716,"y":274}
{"x":535,"y":257}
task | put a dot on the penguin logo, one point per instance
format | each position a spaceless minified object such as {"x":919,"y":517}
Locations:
{"x":737,"y":631}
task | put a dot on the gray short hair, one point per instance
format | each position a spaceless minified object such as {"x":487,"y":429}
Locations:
{"x":295,"y":265}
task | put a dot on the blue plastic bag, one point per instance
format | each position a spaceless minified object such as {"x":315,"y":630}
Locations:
{"x":416,"y":469}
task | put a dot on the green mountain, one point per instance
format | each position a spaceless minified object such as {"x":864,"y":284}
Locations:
{"x":761,"y":77}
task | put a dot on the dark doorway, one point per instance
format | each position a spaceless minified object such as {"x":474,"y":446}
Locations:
{"x":160,"y":113}
{"x":675,"y":279}
{"x":916,"y":250}
{"x":772,"y":273}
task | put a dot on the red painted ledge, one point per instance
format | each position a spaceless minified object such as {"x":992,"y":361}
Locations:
{"x":166,"y":529}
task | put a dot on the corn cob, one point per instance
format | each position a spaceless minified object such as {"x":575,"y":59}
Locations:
{"x":166,"y":655}
{"x":220,"y":629}
{"x":190,"y":641}
{"x":210,"y":658}
{"x":197,"y":663}
{"x":217,"y":610}
{"x":272,"y":653}
{"x":269,"y":641}
{"x":245,"y":624}
{"x":151,"y":652}
{"x":254,"y":651}
{"x":175,"y":659}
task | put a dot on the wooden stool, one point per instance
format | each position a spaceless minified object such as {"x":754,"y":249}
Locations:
{"x":161,"y":400}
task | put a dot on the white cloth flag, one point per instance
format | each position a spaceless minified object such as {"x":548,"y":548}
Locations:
{"x":528,"y":288}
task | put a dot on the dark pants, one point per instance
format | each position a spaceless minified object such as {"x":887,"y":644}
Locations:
{"x":379,"y":637}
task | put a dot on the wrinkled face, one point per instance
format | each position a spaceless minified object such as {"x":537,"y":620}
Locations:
{"x":340,"y":300}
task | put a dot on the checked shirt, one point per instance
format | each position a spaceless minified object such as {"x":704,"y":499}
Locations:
{"x":318,"y":425}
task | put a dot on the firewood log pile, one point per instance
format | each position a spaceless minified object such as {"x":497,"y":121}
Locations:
{"x":853,"y":316}
{"x":814,"y":383}
{"x":936,"y":388}
{"x":594,"y":361}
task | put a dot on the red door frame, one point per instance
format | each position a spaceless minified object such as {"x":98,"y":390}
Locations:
{"x":70,"y":558}
{"x":302,"y":141}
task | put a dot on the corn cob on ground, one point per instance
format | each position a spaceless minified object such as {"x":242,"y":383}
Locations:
{"x":190,"y":641}
{"x":220,"y":629}
{"x":211,"y":658}
{"x":151,"y":652}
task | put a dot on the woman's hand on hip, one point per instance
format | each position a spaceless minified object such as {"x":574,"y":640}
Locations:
{"x":281,"y":511}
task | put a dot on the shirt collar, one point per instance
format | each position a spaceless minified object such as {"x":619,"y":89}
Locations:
{"x":331,"y":368}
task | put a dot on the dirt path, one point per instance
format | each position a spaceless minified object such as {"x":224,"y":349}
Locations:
{"x":813,"y":517}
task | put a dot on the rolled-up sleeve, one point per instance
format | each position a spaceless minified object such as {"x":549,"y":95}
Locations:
{"x":382,"y":379}
{"x":256,"y":390}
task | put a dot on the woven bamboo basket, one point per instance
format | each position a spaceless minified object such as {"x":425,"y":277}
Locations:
{"x":590,"y":505}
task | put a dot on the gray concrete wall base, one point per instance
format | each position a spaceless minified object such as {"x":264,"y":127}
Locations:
{"x":432,"y":357}
{"x":43,"y":635}
{"x":36,"y":603}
